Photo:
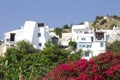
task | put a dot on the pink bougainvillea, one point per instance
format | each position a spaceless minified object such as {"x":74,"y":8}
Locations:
{"x":106,"y":66}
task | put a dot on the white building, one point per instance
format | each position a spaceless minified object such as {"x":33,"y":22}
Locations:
{"x":36,"y":33}
{"x":64,"y":40}
{"x":66,"y":37}
{"x":113,"y":34}
{"x":92,"y":43}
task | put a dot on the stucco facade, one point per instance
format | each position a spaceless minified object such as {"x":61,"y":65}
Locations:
{"x":91,"y":42}
{"x":36,"y":33}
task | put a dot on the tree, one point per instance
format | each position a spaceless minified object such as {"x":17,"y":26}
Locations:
{"x":58,"y":32}
{"x":65,"y":26}
{"x":116,"y":17}
{"x":114,"y":47}
{"x":53,"y":55}
{"x":18,"y":65}
{"x":73,"y":45}
{"x":25,"y":47}
{"x":48,"y":44}
{"x":99,"y":17}
{"x":13,"y":63}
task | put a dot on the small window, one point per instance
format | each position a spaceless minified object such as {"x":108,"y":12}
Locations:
{"x":79,"y":45}
{"x":83,"y":46}
{"x":40,"y":24}
{"x":7,"y":39}
{"x":83,"y":38}
{"x":88,"y":46}
{"x":107,"y":37}
{"x":92,"y":39}
{"x":39,"y":34}
{"x":40,"y":44}
{"x":87,"y":54}
{"x":101,"y":44}
{"x":85,"y":32}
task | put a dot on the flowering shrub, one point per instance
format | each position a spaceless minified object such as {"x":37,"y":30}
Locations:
{"x":106,"y":66}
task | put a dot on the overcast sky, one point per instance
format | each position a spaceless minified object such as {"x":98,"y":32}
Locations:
{"x":54,"y":13}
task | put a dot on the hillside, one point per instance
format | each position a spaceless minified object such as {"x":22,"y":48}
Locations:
{"x":105,"y":22}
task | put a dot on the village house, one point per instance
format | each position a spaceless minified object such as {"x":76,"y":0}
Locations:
{"x":113,"y":34}
{"x":90,"y":41}
{"x":36,"y":33}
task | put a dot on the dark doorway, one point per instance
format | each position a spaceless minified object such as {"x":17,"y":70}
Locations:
{"x":12,"y":36}
{"x":54,"y":40}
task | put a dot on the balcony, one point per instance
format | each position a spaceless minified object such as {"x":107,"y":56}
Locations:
{"x":99,"y":36}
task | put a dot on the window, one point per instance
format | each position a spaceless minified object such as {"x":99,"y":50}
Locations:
{"x":86,"y":54}
{"x":92,"y":39}
{"x":40,"y":24}
{"x":80,"y":31}
{"x":107,"y":37}
{"x":83,"y":46}
{"x":85,"y":32}
{"x":83,"y":38}
{"x":88,"y":46}
{"x":101,"y":44}
{"x":76,"y":31}
{"x":39,"y":34}
{"x":7,"y":39}
{"x":99,"y":35}
{"x":40,"y":44}
{"x":12,"y":36}
{"x":80,"y":46}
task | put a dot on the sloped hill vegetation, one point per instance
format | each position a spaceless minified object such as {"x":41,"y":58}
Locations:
{"x":106,"y":22}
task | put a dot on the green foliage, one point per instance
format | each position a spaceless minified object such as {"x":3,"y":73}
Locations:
{"x":53,"y":55}
{"x":17,"y":65}
{"x":99,"y":17}
{"x":48,"y":44}
{"x":58,"y":32}
{"x":25,"y":47}
{"x":76,"y":56}
{"x":66,"y":26}
{"x":13,"y":62}
{"x":73,"y":45}
{"x":114,"y":47}
{"x":116,"y":17}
